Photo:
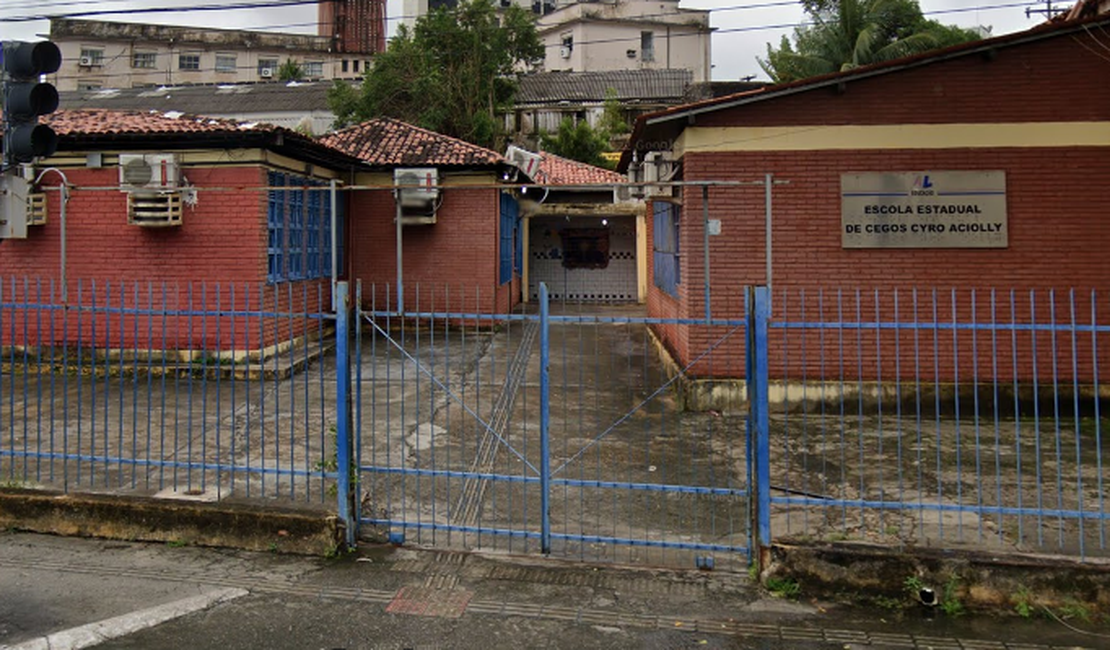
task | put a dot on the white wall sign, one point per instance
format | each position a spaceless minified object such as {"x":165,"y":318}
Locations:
{"x":923,"y":210}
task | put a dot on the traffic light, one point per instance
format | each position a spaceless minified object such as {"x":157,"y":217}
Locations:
{"x":26,"y":98}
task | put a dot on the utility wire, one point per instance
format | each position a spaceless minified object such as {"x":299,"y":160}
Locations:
{"x":235,"y":6}
{"x":630,"y":40}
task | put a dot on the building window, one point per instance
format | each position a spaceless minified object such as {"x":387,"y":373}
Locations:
{"x":665,"y":252}
{"x":267,"y":68}
{"x":226,"y":63}
{"x":567,"y":46}
{"x":298,"y":223}
{"x":188,"y":61}
{"x":354,"y":64}
{"x":147,"y":60}
{"x":647,"y":46}
{"x":313,"y":69}
{"x":92,"y":56}
{"x":346,"y":65}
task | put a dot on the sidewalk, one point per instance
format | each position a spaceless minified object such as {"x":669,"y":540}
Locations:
{"x":403,"y":598}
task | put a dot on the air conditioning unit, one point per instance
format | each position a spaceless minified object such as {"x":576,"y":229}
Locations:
{"x":658,"y":167}
{"x":86,"y":61}
{"x":158,"y":172}
{"x":154,"y":210}
{"x":36,"y":209}
{"x":564,"y":52}
{"x":524,"y":160}
{"x":418,"y":186}
{"x":266,"y":73}
{"x":627,"y":193}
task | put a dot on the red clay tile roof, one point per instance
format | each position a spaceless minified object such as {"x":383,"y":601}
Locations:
{"x":556,"y":170}
{"x":386,"y":142}
{"x":92,"y":129}
{"x":107,"y":122}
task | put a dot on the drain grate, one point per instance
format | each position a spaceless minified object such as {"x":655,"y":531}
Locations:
{"x":428,"y":601}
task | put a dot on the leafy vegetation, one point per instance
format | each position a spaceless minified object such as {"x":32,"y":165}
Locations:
{"x":453,"y":73}
{"x":290,"y":71}
{"x":846,"y":34}
{"x":784,"y":587}
{"x":577,"y":141}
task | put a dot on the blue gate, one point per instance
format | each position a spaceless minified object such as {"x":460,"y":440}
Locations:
{"x":561,"y":429}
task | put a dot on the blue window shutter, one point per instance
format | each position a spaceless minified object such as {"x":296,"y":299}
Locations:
{"x":275,"y":226}
{"x":665,"y":247}
{"x":312,"y":233}
{"x":506,"y":236}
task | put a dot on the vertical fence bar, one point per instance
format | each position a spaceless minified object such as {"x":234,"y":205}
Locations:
{"x":545,"y":410}
{"x":357,"y":430}
{"x":759,"y":407}
{"x":342,"y":410}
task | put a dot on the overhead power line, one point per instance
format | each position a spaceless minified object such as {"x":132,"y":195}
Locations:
{"x":240,"y":6}
{"x":234,"y":6}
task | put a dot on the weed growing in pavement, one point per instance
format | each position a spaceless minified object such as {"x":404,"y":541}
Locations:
{"x":1074,"y":610}
{"x":913,"y":585}
{"x":1023,"y":602}
{"x":784,"y":587}
{"x":950,"y":602}
{"x":177,"y":543}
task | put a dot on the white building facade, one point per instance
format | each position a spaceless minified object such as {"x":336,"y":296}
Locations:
{"x":99,"y":54}
{"x":627,"y":35}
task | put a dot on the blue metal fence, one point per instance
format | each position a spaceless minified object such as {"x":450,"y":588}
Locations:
{"x":554,"y":429}
{"x":945,"y":418}
{"x":208,"y":390}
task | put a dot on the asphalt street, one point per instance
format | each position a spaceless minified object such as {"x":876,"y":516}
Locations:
{"x":69,"y":593}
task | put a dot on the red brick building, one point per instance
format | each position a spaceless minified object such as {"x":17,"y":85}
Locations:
{"x":187,"y":212}
{"x":1030,"y":110}
{"x":462,"y":242}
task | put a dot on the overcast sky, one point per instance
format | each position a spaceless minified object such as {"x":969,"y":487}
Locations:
{"x":744,"y":27}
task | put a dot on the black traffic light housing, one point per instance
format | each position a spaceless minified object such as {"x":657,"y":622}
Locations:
{"x":26,"y":98}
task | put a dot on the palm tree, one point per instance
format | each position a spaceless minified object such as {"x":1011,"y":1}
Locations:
{"x":846,"y":34}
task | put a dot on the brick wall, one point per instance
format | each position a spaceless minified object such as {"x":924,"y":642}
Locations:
{"x":1056,"y":223}
{"x":450,"y":265}
{"x":1012,"y":87}
{"x":215,"y":261}
{"x":1057,"y":237}
{"x":223,"y":239}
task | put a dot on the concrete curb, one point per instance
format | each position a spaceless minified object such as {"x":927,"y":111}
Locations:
{"x":133,"y":518}
{"x":975,"y":580}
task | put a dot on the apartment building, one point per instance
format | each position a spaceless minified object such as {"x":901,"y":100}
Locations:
{"x":100,"y":54}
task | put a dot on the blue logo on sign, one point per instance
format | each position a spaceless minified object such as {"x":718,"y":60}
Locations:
{"x":922,"y":186}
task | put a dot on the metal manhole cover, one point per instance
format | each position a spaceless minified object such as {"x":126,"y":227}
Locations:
{"x":428,"y":601}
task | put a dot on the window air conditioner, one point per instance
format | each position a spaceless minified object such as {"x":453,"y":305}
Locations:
{"x":266,"y":73}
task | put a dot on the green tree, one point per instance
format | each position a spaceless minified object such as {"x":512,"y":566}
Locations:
{"x":613,"y":120}
{"x":578,"y":141}
{"x":290,"y":71}
{"x":846,"y":34}
{"x":452,"y":73}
